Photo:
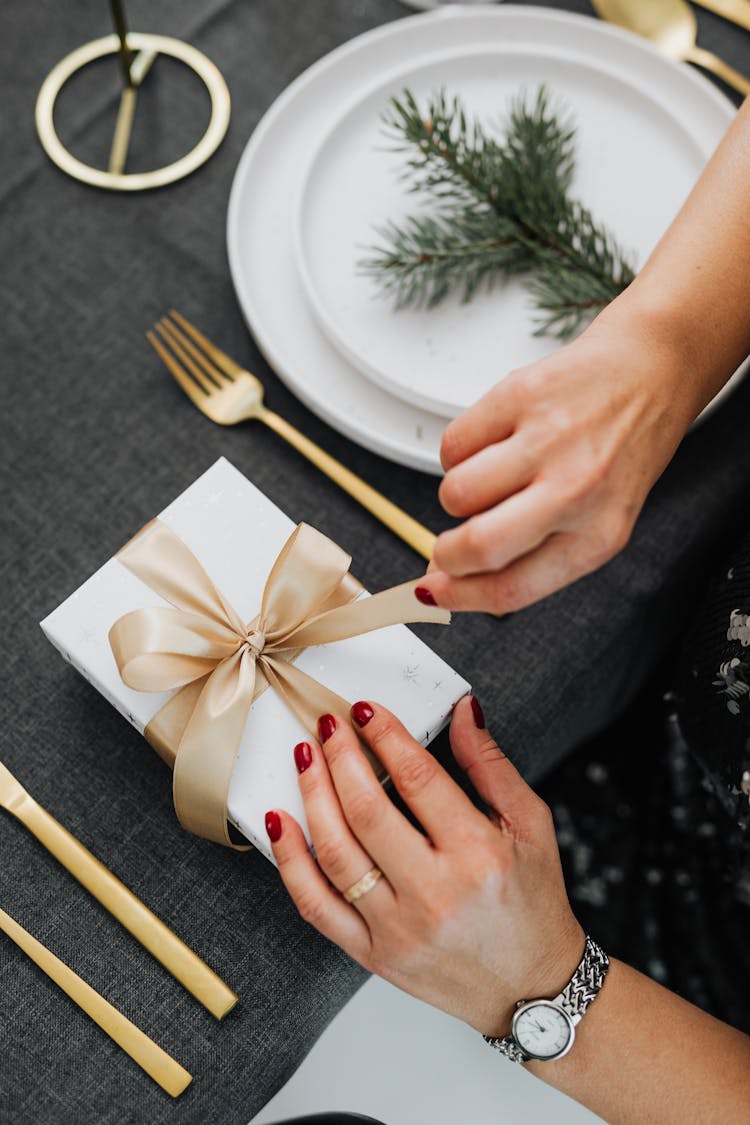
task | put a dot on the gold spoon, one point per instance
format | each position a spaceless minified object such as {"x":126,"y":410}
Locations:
{"x":671,"y":25}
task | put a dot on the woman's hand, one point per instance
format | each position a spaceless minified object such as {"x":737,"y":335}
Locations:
{"x":471,"y":917}
{"x":551,"y":467}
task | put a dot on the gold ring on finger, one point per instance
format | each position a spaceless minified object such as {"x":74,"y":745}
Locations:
{"x":363,"y":885}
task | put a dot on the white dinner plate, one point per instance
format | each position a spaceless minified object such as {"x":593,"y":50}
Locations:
{"x":265,"y":192}
{"x":636,"y":160}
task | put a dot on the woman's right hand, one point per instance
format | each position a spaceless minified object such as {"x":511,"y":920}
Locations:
{"x":550,"y":469}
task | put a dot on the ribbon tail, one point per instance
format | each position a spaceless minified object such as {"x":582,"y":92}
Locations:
{"x":165,"y":730}
{"x":309,"y":699}
{"x":208,"y":750}
{"x":396,"y":606}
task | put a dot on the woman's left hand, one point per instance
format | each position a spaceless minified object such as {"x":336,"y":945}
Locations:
{"x":471,"y":917}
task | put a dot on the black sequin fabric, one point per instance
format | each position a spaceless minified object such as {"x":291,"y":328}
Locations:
{"x":653,"y":816}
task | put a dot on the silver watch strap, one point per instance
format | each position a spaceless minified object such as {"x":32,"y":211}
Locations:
{"x":583,"y":987}
{"x":508,"y":1047}
{"x":580,"y":991}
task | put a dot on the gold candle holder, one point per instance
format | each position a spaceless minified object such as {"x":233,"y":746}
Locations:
{"x":137,"y":53}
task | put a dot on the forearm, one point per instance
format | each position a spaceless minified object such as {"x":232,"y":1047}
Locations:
{"x":693,"y":293}
{"x":643,"y":1055}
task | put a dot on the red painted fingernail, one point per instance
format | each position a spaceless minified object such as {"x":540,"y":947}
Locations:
{"x":478,"y":713}
{"x":326,"y":727}
{"x":425,"y":596}
{"x":273,"y":826}
{"x":362,"y":713}
{"x":302,"y":756}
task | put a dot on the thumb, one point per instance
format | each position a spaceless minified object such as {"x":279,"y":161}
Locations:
{"x":495,"y":778}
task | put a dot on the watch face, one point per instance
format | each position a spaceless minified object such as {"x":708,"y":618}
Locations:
{"x":542,"y":1030}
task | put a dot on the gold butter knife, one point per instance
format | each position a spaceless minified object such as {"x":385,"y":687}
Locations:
{"x":736,"y":11}
{"x":115,"y":897}
{"x":149,"y":1055}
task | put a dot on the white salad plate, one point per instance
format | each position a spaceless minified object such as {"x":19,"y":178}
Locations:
{"x":389,"y":380}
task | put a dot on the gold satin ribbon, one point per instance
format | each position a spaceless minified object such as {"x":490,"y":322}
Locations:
{"x":221,"y":665}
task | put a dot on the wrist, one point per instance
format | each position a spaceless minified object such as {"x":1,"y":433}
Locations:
{"x":546,"y":977}
{"x":544,"y":1027}
{"x":686,"y":365}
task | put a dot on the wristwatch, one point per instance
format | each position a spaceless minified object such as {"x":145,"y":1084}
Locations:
{"x":545,"y":1029}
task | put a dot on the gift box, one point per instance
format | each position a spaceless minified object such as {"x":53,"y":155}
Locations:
{"x":223,"y":533}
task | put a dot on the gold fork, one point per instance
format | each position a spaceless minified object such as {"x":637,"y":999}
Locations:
{"x":227,"y":394}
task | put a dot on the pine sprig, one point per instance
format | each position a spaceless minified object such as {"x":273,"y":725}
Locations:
{"x":428,"y":258}
{"x":502,"y":207}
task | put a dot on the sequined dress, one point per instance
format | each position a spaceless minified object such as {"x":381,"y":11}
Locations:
{"x":653,"y":817}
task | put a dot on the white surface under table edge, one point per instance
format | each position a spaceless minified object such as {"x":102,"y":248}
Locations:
{"x":404,"y":1062}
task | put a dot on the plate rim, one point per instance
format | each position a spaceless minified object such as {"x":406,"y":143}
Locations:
{"x":406,"y":453}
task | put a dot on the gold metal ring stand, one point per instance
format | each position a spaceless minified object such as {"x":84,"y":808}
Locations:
{"x":148,"y":47}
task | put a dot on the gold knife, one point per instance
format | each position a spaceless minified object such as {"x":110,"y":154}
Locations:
{"x":149,"y":1055}
{"x":115,"y":897}
{"x":737,"y":11}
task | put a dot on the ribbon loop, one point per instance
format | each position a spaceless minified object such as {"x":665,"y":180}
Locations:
{"x":220,"y":664}
{"x":307,"y":572}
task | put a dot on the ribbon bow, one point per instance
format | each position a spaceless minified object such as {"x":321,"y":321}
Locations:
{"x":220,"y":664}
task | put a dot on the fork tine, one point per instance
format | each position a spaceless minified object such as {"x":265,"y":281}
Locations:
{"x":188,"y":385}
{"x":229,"y":366}
{"x":209,"y":377}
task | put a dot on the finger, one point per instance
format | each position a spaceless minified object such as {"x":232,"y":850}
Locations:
{"x":491,"y":540}
{"x":492,"y":418}
{"x":492,"y":774}
{"x":549,"y":568}
{"x":397,"y":848}
{"x":338,"y":852}
{"x":489,"y":476}
{"x":441,"y":807}
{"x":317,"y":902}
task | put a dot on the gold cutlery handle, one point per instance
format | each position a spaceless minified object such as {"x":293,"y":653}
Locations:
{"x":709,"y":61}
{"x":149,"y":1055}
{"x":123,"y":129}
{"x":412,"y":532}
{"x":135,"y":916}
{"x":738,"y":11}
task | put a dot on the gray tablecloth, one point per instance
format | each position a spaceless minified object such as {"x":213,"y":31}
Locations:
{"x":96,"y":439}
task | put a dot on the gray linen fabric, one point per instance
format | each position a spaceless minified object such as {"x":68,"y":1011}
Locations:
{"x":96,"y":439}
